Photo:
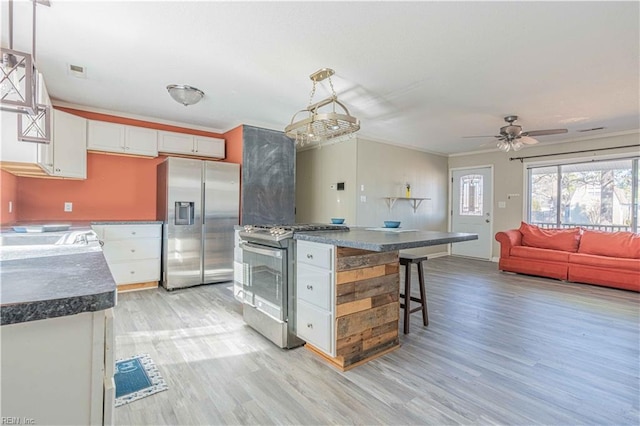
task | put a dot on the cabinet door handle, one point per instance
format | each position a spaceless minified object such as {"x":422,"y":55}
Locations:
{"x":309,"y":287}
{"x":57,"y":170}
{"x":133,"y":272}
{"x":133,"y":232}
{"x":309,"y":325}
{"x":309,"y":256}
{"x":133,"y":250}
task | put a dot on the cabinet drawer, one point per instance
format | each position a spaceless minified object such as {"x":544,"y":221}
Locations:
{"x":138,"y":271}
{"x":131,"y":249}
{"x":313,"y":285}
{"x":320,"y":255}
{"x":314,"y":326}
{"x":117,"y":232}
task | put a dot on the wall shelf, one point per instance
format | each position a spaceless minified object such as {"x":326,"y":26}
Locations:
{"x":415,"y":202}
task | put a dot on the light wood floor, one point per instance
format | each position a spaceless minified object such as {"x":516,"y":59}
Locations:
{"x":500,"y":349}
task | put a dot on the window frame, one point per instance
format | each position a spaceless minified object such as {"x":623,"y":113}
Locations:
{"x":635,"y":168}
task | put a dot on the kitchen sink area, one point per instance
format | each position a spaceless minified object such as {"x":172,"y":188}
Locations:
{"x":23,"y":245}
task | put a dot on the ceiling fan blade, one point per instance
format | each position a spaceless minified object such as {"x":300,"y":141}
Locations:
{"x":544,"y":132}
{"x":527,"y":140}
{"x":484,"y":136}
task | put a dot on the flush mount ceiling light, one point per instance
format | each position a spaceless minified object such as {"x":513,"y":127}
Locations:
{"x":186,"y":95}
{"x":318,"y":125}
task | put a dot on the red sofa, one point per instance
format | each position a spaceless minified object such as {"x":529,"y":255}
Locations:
{"x":610,"y":259}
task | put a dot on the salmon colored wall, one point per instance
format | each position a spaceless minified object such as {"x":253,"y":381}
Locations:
{"x":9,"y":188}
{"x":116,"y":188}
{"x":233,"y":145}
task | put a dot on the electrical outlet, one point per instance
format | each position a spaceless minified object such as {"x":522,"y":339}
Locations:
{"x":502,"y":205}
{"x":68,"y":207}
{"x":363,"y":198}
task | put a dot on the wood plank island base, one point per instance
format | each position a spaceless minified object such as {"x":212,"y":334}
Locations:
{"x":348,"y":286}
{"x":367,"y":310}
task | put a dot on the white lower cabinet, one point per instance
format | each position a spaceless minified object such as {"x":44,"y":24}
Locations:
{"x":315,"y":294}
{"x":132,"y":253}
{"x":56,"y":371}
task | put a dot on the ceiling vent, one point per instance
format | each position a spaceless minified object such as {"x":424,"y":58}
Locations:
{"x":77,"y":71}
{"x":590,"y":130}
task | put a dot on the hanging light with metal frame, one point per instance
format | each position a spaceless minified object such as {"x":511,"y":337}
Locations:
{"x":22,"y":88}
{"x":321,"y":125}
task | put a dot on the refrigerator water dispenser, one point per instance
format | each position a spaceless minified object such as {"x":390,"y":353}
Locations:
{"x":184,"y":213}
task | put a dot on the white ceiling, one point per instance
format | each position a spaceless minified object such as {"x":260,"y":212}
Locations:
{"x":420,"y":74}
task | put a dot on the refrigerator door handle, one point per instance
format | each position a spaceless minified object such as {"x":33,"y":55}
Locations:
{"x":204,"y":212}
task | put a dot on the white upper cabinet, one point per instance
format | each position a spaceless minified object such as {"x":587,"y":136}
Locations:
{"x":209,"y":147}
{"x":66,"y":156}
{"x":123,"y":139}
{"x":201,"y":146}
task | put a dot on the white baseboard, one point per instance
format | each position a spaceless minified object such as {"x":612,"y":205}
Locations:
{"x":440,"y":254}
{"x":495,"y":259}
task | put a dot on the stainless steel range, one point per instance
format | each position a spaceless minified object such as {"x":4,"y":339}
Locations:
{"x":268,"y":263}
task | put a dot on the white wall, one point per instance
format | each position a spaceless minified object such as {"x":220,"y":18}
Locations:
{"x":316,"y":170}
{"x":509,"y":176}
{"x":383,"y":170}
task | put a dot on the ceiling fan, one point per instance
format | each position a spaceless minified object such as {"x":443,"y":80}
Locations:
{"x":512,"y":137}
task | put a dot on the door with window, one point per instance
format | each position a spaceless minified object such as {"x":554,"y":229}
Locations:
{"x":471,"y":210}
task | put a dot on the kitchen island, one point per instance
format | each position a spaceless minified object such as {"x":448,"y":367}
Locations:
{"x":347,"y":290}
{"x":57,"y":298}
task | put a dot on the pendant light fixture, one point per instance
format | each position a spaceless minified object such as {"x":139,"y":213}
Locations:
{"x":186,"y":95}
{"x":18,"y":77}
{"x":321,"y":125}
{"x":22,"y":88}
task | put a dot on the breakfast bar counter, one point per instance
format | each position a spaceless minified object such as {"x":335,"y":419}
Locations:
{"x":347,"y":290}
{"x":384,"y":240}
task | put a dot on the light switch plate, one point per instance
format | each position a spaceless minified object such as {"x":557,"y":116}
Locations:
{"x":502,"y":205}
{"x":363,"y":198}
{"x":68,"y":207}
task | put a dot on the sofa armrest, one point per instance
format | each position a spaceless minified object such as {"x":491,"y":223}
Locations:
{"x":508,"y":239}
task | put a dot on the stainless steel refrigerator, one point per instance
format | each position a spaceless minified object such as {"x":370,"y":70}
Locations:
{"x":198,"y":202}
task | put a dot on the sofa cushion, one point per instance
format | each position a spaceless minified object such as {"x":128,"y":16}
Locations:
{"x":555,"y":239}
{"x":540,"y":254}
{"x":612,"y":244}
{"x":613,"y":263}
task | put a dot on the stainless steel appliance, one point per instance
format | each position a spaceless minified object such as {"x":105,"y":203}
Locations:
{"x":198,"y":201}
{"x":268,"y":262}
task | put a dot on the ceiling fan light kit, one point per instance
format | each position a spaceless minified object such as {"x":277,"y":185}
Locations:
{"x":186,"y":95}
{"x":318,"y":125}
{"x":512,"y":137}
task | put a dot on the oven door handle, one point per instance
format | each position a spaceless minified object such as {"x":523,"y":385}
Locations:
{"x":277,"y":253}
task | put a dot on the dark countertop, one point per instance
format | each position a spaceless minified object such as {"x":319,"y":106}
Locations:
{"x":366,"y":239}
{"x":42,"y":279}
